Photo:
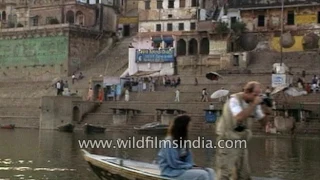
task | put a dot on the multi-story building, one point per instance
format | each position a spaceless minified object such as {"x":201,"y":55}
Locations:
{"x":93,"y":14}
{"x":168,"y":30}
{"x":300,"y":18}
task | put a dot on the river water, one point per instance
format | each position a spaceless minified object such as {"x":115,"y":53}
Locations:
{"x":33,"y":154}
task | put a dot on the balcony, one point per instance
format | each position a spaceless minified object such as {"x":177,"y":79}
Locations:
{"x":206,"y":26}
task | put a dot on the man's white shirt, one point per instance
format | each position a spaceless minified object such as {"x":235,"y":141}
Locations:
{"x":236,"y":108}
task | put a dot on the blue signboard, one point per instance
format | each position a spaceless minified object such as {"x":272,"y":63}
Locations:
{"x":155,"y":55}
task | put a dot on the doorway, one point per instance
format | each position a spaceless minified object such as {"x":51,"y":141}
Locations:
{"x":76,"y":114}
{"x":96,"y":92}
{"x":235,"y":60}
{"x":126,"y":30}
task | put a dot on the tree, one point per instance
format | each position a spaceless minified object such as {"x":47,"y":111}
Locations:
{"x":222,"y":28}
{"x":238,"y":27}
{"x":53,"y":21}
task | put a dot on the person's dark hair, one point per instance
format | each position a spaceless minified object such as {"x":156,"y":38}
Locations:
{"x":179,"y":128}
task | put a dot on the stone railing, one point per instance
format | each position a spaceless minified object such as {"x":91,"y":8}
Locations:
{"x":47,"y":27}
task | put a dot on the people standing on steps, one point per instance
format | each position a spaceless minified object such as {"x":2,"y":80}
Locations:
{"x":58,"y":87}
{"x":211,"y":106}
{"x":177,"y":98}
{"x":90,"y":95}
{"x":204,"y":96}
{"x":73,"y":78}
{"x":101,"y":95}
{"x":126,"y":96}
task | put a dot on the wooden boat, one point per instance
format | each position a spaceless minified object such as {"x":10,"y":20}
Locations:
{"x":66,"y":128}
{"x":116,"y":168}
{"x":8,"y":126}
{"x":89,"y":128}
{"x":152,"y":128}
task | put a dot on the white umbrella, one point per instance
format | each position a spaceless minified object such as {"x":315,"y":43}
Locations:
{"x":295,"y":92}
{"x":219,"y":93}
{"x":278,"y":89}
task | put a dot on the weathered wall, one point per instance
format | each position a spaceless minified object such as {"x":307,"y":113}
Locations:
{"x":297,"y":46}
{"x":218,"y":47}
{"x":304,"y":17}
{"x":184,"y":15}
{"x":82,"y":49}
{"x":46,"y":12}
{"x":266,"y":3}
{"x":47,"y":52}
{"x":34,"y":51}
{"x":56,"y":111}
{"x":151,"y":26}
{"x":56,"y":9}
{"x":198,"y":65}
{"x":109,"y":22}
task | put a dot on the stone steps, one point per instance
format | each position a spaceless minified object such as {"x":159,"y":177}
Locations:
{"x":150,"y":107}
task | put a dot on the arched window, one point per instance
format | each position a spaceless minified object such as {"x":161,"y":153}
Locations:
{"x":70,"y":17}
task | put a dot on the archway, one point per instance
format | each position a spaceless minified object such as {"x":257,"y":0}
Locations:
{"x":96,"y":91}
{"x":70,"y":17}
{"x":193,"y":47}
{"x":181,"y":47}
{"x":79,"y":18}
{"x":76,"y":114}
{"x":204,"y":46}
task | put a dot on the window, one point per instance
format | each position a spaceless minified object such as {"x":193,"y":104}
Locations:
{"x":194,"y":3}
{"x":290,"y":18}
{"x":182,"y":3}
{"x":147,"y":5}
{"x":48,"y":19}
{"x":169,"y":15}
{"x":169,"y":27}
{"x":159,"y":4}
{"x":158,"y":27}
{"x":181,"y":26}
{"x":35,"y":21}
{"x":261,"y":21}
{"x":233,"y":20}
{"x":193,"y":26}
{"x":171,"y":4}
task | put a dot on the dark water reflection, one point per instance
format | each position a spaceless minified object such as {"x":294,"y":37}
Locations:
{"x":33,"y":154}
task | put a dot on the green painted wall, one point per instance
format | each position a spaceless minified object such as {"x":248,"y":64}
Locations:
{"x":34,"y":51}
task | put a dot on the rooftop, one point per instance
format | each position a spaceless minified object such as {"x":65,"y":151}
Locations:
{"x":243,"y":4}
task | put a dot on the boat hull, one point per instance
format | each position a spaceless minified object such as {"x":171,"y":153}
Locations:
{"x":160,"y":131}
{"x":94,"y":129}
{"x":108,"y":171}
{"x":66,"y":128}
{"x":112,"y":168}
{"x":9,"y":126}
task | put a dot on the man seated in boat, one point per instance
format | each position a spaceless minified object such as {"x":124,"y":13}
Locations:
{"x":175,"y":159}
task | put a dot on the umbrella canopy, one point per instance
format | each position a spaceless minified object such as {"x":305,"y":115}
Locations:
{"x":213,"y":76}
{"x":295,"y":92}
{"x":219,"y":93}
{"x":279,"y":89}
